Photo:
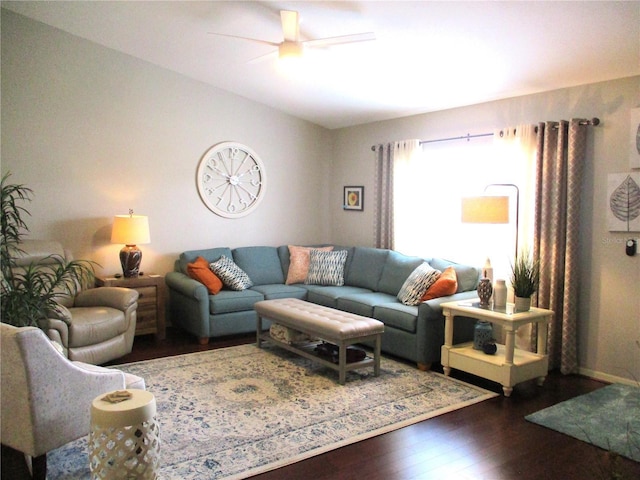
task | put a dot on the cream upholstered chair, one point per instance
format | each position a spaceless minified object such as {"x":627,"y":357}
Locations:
{"x":46,"y":399}
{"x":98,"y":324}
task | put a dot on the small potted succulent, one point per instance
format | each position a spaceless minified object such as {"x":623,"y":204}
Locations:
{"x":525,"y":278}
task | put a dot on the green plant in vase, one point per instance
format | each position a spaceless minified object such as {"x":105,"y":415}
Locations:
{"x":29,"y":294}
{"x":525,"y":278}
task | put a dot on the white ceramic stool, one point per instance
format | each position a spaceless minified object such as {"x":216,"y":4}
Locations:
{"x":124,"y":440}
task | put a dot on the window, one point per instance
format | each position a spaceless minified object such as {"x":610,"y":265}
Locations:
{"x":427,"y":197}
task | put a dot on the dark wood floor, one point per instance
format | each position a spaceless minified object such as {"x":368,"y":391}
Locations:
{"x":490,"y":440}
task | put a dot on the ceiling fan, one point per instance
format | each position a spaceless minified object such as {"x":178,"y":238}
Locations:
{"x":292,"y":46}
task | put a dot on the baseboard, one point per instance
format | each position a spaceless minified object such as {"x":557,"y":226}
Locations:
{"x":606,"y":377}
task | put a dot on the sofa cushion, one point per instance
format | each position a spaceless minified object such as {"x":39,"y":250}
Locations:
{"x":363,"y":303}
{"x":228,"y":301}
{"x":261,"y":264}
{"x":397,"y":315}
{"x":278,"y":290}
{"x":418,"y":282}
{"x":328,"y":295}
{"x":467,"y":276}
{"x":209,"y":254}
{"x":446,"y":284}
{"x":299,"y":259}
{"x":365,"y":268}
{"x":326,"y":268}
{"x":231,"y":274}
{"x":396,"y":270}
{"x":199,"y":270}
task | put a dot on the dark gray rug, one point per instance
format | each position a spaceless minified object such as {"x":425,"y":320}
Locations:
{"x":608,"y":418}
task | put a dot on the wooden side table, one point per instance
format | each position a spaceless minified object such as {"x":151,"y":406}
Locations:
{"x":509,"y":365}
{"x":150,"y":316}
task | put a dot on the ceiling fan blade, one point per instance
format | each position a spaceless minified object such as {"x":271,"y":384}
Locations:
{"x":261,"y":58}
{"x":263,"y":42}
{"x":342,"y":39}
{"x":290,"y":25}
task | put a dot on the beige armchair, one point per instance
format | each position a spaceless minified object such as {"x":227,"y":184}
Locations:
{"x":46,"y":399}
{"x":95,"y":326}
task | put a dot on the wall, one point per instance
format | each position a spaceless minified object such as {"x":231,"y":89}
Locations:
{"x":609,"y":313}
{"x":95,"y":132}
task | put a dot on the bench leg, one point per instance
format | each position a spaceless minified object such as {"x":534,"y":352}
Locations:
{"x":376,"y":355}
{"x":342,"y":363}
{"x":258,"y":331}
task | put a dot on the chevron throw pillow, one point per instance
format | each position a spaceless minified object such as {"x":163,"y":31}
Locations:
{"x":417,"y":283}
{"x":231,"y":274}
{"x":326,"y":268}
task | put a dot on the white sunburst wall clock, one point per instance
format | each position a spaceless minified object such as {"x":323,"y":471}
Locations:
{"x":232,"y":180}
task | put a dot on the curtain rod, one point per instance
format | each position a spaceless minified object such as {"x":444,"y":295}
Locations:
{"x":594,"y":121}
{"x":467,"y":137}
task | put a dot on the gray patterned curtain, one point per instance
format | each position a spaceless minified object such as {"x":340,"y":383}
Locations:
{"x":383,"y":214}
{"x":561,"y":148}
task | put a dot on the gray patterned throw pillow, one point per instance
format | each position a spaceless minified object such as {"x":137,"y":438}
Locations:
{"x":231,"y":274}
{"x":326,"y":268}
{"x":417,"y":283}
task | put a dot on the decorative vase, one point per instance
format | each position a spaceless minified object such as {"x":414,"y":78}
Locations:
{"x":490,"y":348}
{"x":482,"y":334}
{"x":485,"y":290}
{"x":523,"y":304}
{"x":500,"y":294}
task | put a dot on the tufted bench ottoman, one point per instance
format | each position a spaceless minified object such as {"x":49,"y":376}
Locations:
{"x":317,"y":321}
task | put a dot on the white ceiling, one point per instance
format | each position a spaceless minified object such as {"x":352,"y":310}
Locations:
{"x":427,"y":56}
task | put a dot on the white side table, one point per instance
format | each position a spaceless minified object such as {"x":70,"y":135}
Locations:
{"x":509,"y":365}
{"x":124,"y":440}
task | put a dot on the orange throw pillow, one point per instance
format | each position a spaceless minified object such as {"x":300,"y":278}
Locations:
{"x":199,"y":270}
{"x":447,"y":284}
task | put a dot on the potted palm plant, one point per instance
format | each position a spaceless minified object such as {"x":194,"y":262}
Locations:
{"x":29,"y":294}
{"x":525,"y":278}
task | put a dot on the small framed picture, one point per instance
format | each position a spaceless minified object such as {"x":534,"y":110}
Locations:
{"x":353,"y":198}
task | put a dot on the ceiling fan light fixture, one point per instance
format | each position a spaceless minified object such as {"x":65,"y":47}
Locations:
{"x":289,"y":49}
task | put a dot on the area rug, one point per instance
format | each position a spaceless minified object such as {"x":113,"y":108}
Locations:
{"x":239,"y":411}
{"x":608,"y":417}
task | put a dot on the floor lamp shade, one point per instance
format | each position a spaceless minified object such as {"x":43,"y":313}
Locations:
{"x":132,"y":230}
{"x":485,"y":209}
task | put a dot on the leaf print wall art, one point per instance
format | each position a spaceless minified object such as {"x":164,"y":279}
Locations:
{"x":634,"y":139}
{"x":623,"y":202}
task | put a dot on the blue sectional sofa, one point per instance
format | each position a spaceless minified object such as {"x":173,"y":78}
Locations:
{"x":372,"y":279}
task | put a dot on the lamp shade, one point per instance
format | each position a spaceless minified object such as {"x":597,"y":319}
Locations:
{"x":485,"y":209}
{"x":130,"y":229}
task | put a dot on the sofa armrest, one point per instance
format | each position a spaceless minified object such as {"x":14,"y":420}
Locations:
{"x":189,"y":304}
{"x":58,"y":331}
{"x":435,"y":305}
{"x":59,"y":312}
{"x":431,"y":326}
{"x":186,"y":285}
{"x":115,"y":297}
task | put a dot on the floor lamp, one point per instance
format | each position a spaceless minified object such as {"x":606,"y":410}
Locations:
{"x":491,"y":209}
